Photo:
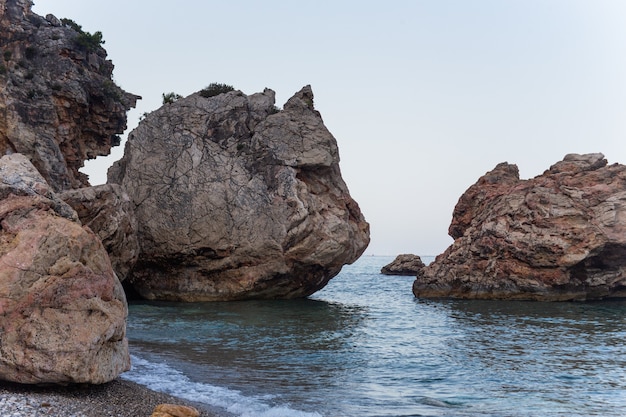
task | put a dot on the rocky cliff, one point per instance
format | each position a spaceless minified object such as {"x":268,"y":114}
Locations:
{"x":235,"y":199}
{"x":58,"y":103}
{"x":558,"y":236}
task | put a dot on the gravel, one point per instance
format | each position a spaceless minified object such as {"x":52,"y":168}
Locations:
{"x":119,"y":398}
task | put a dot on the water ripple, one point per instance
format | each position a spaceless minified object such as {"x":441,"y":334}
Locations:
{"x":364,"y":346}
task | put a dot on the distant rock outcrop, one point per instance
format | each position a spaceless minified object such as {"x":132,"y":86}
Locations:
{"x":406,"y":264}
{"x":235,"y":199}
{"x":108,"y":212}
{"x":62,"y":311}
{"x":58,"y":103}
{"x":558,"y":236}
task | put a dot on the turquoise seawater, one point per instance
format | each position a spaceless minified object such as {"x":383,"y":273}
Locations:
{"x":364,"y":346}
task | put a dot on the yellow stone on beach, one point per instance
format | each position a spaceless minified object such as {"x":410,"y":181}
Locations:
{"x":171,"y":410}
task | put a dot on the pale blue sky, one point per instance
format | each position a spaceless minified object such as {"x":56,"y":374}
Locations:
{"x":423,"y":97}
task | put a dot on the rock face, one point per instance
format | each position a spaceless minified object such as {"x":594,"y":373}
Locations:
{"x":58,"y":103}
{"x":62,"y":311}
{"x":559,"y":236}
{"x":107,"y":211}
{"x":235,"y":199}
{"x":406,"y":264}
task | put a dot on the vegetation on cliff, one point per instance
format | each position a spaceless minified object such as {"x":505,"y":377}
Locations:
{"x":86,"y":40}
{"x":57,"y":94}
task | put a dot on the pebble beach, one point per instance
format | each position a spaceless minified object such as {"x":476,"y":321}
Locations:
{"x":119,"y":398}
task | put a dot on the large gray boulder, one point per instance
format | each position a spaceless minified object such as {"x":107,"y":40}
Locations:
{"x":235,"y":199}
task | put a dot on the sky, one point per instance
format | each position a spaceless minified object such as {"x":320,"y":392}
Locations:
{"x":423,"y":96}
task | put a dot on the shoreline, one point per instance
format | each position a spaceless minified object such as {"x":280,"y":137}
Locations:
{"x":118,"y":398}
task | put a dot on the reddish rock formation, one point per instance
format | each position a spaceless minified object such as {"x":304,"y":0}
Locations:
{"x":235,"y":199}
{"x":406,"y":264}
{"x":559,"y":236}
{"x":58,"y":103}
{"x":62,"y":311}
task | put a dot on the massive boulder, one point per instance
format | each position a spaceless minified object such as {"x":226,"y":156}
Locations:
{"x":558,"y":236}
{"x":235,"y":199}
{"x":108,"y":212}
{"x":62,"y":310}
{"x":405,"y":264}
{"x":58,"y":103}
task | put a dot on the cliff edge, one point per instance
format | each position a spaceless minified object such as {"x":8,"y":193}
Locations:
{"x":58,"y":103}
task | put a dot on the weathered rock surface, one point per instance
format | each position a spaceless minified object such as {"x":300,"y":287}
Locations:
{"x":107,"y":211}
{"x":235,"y":199}
{"x":62,"y":310}
{"x":558,"y":236}
{"x":58,"y":103}
{"x":405,"y":264}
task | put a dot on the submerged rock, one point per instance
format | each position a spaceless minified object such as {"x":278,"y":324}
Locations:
{"x":235,"y":199}
{"x":558,"y":236}
{"x":58,"y":102}
{"x":62,"y":310}
{"x":406,"y":264}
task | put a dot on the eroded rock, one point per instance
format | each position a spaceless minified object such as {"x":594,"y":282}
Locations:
{"x":58,"y":103}
{"x":235,"y":199}
{"x":62,"y":310}
{"x":558,"y":236}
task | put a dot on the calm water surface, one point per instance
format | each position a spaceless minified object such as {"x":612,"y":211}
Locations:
{"x":364,"y":346}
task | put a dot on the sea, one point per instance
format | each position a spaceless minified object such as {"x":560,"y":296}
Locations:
{"x":364,"y":346}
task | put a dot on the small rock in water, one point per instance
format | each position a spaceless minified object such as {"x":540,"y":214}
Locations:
{"x":406,"y":264}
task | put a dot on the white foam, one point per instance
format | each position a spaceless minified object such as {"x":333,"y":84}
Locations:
{"x":163,"y":378}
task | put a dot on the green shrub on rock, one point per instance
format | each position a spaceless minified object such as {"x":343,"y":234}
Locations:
{"x":85,"y":40}
{"x":215,"y":89}
{"x":169,"y":98}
